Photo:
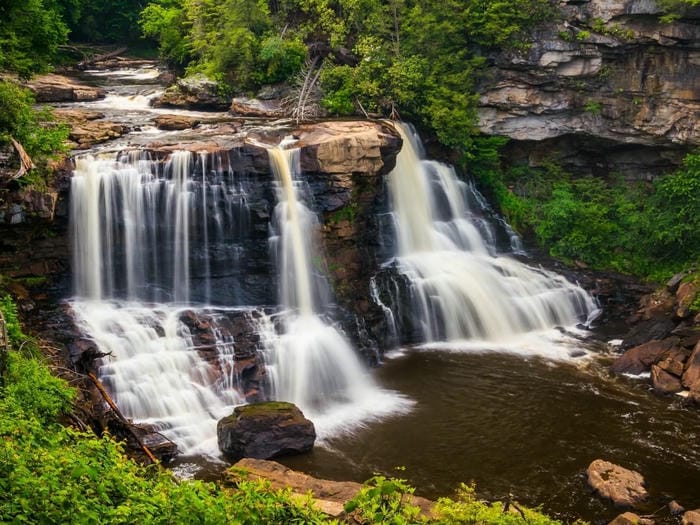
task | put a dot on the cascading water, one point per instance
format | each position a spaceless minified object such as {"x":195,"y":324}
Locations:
{"x":460,"y":287}
{"x":135,"y":233}
{"x":311,"y":364}
{"x":149,"y":237}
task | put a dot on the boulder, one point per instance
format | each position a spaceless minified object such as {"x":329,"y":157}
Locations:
{"x":265,"y":430}
{"x":630,"y":518}
{"x":640,"y":358}
{"x":684,"y":298}
{"x":348,"y":147}
{"x":175,"y":122}
{"x":623,"y":486}
{"x":692,"y":517}
{"x":648,"y":330}
{"x":691,"y":375}
{"x":253,"y":107}
{"x":663,"y":382}
{"x":88,"y":128}
{"x":195,"y":92}
{"x":675,"y":508}
{"x":58,"y":88}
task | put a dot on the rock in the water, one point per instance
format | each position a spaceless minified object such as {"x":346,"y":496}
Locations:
{"x":195,"y":92}
{"x":265,"y":430}
{"x":692,"y":517}
{"x":664,"y":382}
{"x":57,"y":88}
{"x":88,"y":128}
{"x":628,"y":518}
{"x":175,"y":122}
{"x":623,"y":486}
{"x":640,"y":358}
{"x":675,"y":508}
{"x":253,"y":107}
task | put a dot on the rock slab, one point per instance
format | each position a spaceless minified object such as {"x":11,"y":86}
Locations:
{"x":623,"y":486}
{"x":265,"y":430}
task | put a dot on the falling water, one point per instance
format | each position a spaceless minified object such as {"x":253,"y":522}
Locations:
{"x":138,"y":246}
{"x":461,"y":288}
{"x":311,"y":364}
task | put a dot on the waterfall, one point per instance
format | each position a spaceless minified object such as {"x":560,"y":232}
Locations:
{"x":460,"y":286}
{"x":162,"y":286}
{"x":311,"y":364}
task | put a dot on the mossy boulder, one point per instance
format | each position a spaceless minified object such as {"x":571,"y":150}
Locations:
{"x":265,"y":430}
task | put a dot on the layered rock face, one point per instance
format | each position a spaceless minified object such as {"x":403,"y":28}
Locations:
{"x":609,"y":89}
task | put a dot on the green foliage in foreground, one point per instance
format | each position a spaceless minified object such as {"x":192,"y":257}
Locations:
{"x":649,"y":230}
{"x":34,"y":128}
{"x":50,"y":473}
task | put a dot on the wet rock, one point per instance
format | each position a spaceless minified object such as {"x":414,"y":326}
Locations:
{"x":629,"y":518}
{"x":675,"y":281}
{"x":675,"y":508}
{"x":674,"y":362}
{"x":624,"y":487}
{"x":692,"y":517}
{"x":663,"y":382}
{"x":640,"y":358}
{"x":195,"y":92}
{"x":649,"y":330}
{"x":253,"y":107}
{"x":58,"y":88}
{"x":265,"y":430}
{"x":176,"y":122}
{"x":87,"y":128}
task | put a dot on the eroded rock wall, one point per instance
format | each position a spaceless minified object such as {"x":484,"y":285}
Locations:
{"x":607,"y":88}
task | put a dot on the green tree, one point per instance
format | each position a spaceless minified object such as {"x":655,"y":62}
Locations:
{"x":30,"y":33}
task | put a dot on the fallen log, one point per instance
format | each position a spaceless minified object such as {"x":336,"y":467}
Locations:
{"x":25,"y":161}
{"x":98,"y":58}
{"x":120,"y":416}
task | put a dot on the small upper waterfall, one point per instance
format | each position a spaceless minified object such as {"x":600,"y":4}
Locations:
{"x":461,"y":288}
{"x":311,"y":364}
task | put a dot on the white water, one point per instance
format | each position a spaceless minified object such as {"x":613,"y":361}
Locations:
{"x":144,"y":236}
{"x":461,"y":288}
{"x":311,"y":364}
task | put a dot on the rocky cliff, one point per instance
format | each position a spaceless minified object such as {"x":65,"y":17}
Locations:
{"x":606,"y":88}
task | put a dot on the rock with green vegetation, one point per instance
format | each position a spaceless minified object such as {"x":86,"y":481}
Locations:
{"x":195,"y":92}
{"x":624,"y":487}
{"x":265,"y":430}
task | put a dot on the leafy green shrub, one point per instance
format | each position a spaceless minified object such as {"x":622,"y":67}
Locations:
{"x":34,"y":128}
{"x":338,"y":86}
{"x":280,"y":59}
{"x":466,"y":509}
{"x":652,"y":232}
{"x":385,"y":500}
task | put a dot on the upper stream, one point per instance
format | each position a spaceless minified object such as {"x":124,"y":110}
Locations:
{"x":189,"y":271}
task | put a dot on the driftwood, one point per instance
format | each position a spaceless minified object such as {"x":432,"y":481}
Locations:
{"x":99,"y":58}
{"x":25,"y":161}
{"x":120,"y":416}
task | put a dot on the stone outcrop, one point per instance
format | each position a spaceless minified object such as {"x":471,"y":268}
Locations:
{"x":265,"y":430}
{"x":58,"y":88}
{"x":665,"y":339}
{"x":630,"y":518}
{"x":253,"y":107}
{"x":625,"y":488}
{"x":328,"y":496}
{"x":175,"y":122}
{"x":88,"y":128}
{"x":196,"y":92}
{"x":609,"y":79}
